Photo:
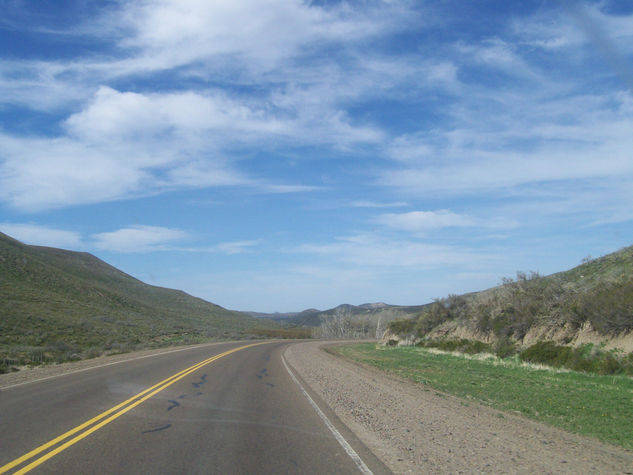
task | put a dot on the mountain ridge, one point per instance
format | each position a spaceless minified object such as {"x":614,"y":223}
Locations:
{"x":314,"y":317}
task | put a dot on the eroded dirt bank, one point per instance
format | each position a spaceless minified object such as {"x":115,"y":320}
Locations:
{"x":415,"y":429}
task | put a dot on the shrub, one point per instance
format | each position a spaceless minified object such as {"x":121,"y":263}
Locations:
{"x":402,"y":327}
{"x":546,"y":352}
{"x":463,"y":345}
{"x":586,"y":358}
{"x":504,"y":348}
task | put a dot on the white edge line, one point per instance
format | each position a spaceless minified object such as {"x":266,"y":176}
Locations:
{"x":2,"y":388}
{"x":337,"y":435}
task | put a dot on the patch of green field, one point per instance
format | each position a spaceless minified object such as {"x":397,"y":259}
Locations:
{"x":587,"y":404}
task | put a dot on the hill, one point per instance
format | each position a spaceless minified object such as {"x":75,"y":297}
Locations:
{"x":57,"y":305}
{"x":591,"y":303}
{"x":371,"y":312}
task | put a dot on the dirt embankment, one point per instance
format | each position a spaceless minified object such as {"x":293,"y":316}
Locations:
{"x":415,"y":429}
{"x":560,"y":334}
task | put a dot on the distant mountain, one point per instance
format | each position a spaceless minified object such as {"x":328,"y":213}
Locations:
{"x":281,"y":316}
{"x":373,"y":306}
{"x":57,"y":304}
{"x":313,"y":317}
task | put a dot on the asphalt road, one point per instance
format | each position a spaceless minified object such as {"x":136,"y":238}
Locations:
{"x":238,"y":412}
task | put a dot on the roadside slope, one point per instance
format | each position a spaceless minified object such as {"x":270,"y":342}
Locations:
{"x":589,"y":304}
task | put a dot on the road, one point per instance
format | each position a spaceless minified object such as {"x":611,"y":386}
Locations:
{"x":222,"y":408}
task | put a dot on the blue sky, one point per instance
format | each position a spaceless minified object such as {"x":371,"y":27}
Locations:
{"x":276,"y":155}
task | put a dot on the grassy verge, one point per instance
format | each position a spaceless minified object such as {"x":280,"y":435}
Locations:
{"x":592,"y":405}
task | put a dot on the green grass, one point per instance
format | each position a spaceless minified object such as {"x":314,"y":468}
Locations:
{"x":591,"y":405}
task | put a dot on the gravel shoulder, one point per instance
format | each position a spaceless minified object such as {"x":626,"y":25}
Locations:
{"x":415,"y":429}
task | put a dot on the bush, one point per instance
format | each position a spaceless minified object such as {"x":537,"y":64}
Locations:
{"x":546,"y":352}
{"x":463,"y":346}
{"x":586,"y":358}
{"x":504,"y":348}
{"x":402,"y":327}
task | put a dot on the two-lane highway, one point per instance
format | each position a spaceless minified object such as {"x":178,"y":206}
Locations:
{"x":222,"y":408}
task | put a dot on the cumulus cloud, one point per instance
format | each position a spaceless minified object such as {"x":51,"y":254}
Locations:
{"x":127,"y":115}
{"x":39,"y":173}
{"x":142,"y":142}
{"x":127,"y":144}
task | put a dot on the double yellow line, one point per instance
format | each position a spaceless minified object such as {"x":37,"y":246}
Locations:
{"x":113,"y":413}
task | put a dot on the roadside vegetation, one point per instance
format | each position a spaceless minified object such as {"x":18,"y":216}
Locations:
{"x":597,"y":294}
{"x":587,"y":358}
{"x":594,"y":405}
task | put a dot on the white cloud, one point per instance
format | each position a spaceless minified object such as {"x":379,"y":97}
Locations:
{"x":258,"y":33}
{"x":118,"y":144}
{"x":373,"y":204}
{"x":504,"y":172}
{"x":498,"y":54}
{"x":575,"y":25}
{"x":38,"y":173}
{"x":127,"y":144}
{"x":43,"y":235}
{"x":537,"y":145}
{"x":139,"y":239}
{"x":235,"y":247}
{"x":133,"y":239}
{"x":421,"y":221}
{"x":373,"y":250}
{"x":39,"y":85}
{"x":133,"y":116}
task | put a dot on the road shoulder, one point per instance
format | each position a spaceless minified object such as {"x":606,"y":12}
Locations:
{"x":413,"y":428}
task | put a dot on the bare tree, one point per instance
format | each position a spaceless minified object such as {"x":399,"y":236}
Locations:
{"x":344,"y":324}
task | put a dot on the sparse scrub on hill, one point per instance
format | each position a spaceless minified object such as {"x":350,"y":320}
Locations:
{"x":608,"y":306}
{"x":599,"y":292}
{"x":58,"y":305}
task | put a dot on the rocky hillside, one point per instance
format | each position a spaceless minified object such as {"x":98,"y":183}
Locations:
{"x":591,"y":303}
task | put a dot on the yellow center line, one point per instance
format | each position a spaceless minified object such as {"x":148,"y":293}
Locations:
{"x":55,"y":441}
{"x":130,"y":403}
